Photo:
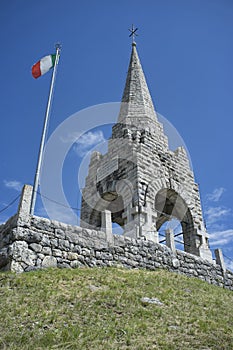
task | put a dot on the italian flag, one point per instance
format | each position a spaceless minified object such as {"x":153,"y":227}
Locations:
{"x":43,"y":66}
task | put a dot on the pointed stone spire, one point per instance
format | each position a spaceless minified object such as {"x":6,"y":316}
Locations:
{"x":136,"y":104}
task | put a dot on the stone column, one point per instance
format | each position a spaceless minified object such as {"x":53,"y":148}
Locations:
{"x":25,"y":204}
{"x":220,"y":259}
{"x":106,"y":224}
{"x":170,"y":241}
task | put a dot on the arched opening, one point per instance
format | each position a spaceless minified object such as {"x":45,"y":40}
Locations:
{"x":173,"y":213}
{"x":175,"y":226}
{"x":117,"y":229}
{"x":116,"y":207}
{"x":114,"y":203}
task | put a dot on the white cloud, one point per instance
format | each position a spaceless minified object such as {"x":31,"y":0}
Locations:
{"x":13,"y":184}
{"x":214,"y":214}
{"x":82,"y":143}
{"x":221,"y":238}
{"x":91,"y":138}
{"x":72,"y":137}
{"x":216,"y":194}
{"x":87,"y":141}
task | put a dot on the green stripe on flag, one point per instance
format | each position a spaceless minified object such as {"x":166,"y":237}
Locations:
{"x":53,"y":57}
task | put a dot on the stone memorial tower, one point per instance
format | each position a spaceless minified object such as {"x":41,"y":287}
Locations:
{"x":140,"y":183}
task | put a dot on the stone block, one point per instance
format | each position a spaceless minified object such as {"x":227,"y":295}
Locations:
{"x":81,"y":258}
{"x":64,"y":265}
{"x":36,"y":247}
{"x":49,"y":261}
{"x":42,"y":224}
{"x":38,"y":262}
{"x":72,"y":256}
{"x":45,"y":241}
{"x":19,"y":252}
{"x":59,"y":233}
{"x":27,"y":235}
{"x":46,"y":251}
{"x":98,"y":255}
{"x":64,"y":244}
{"x":57,"y":252}
{"x":54,"y":242}
{"x":77,"y":249}
{"x":72,"y":237}
{"x":175,"y":263}
{"x":75,"y":263}
{"x":16,"y":267}
{"x":86,"y":252}
{"x":106,"y":256}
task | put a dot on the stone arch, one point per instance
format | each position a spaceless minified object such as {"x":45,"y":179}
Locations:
{"x":169,"y":204}
{"x":114,"y":196}
{"x":109,"y":201}
{"x":164,"y":183}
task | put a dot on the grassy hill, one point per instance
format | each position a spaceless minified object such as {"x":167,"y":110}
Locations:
{"x":103,"y":309}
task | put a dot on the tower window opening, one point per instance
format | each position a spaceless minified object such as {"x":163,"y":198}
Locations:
{"x":117,"y":229}
{"x":175,"y":226}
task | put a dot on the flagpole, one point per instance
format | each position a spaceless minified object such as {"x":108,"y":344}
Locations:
{"x":45,"y":127}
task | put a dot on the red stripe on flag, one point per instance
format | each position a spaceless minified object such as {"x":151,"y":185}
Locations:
{"x":36,"y":73}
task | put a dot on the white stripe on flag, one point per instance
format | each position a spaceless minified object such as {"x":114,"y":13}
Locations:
{"x":45,"y":64}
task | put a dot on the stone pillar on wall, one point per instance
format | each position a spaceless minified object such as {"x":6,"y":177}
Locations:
{"x":170,"y":241}
{"x":23,"y":213}
{"x":106,"y":225}
{"x":219,"y":259}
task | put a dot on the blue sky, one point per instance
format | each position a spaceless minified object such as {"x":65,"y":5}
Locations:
{"x":186,"y":51}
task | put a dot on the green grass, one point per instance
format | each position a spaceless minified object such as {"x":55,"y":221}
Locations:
{"x":102,"y":309}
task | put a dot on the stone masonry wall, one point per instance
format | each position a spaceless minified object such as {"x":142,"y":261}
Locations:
{"x":40,"y":243}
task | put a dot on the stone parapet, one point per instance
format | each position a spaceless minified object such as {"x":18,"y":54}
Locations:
{"x":41,"y":243}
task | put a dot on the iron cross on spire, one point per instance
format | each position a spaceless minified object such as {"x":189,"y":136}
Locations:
{"x":133,"y":33}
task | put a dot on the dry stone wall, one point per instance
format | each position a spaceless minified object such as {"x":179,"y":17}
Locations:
{"x":40,"y":243}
